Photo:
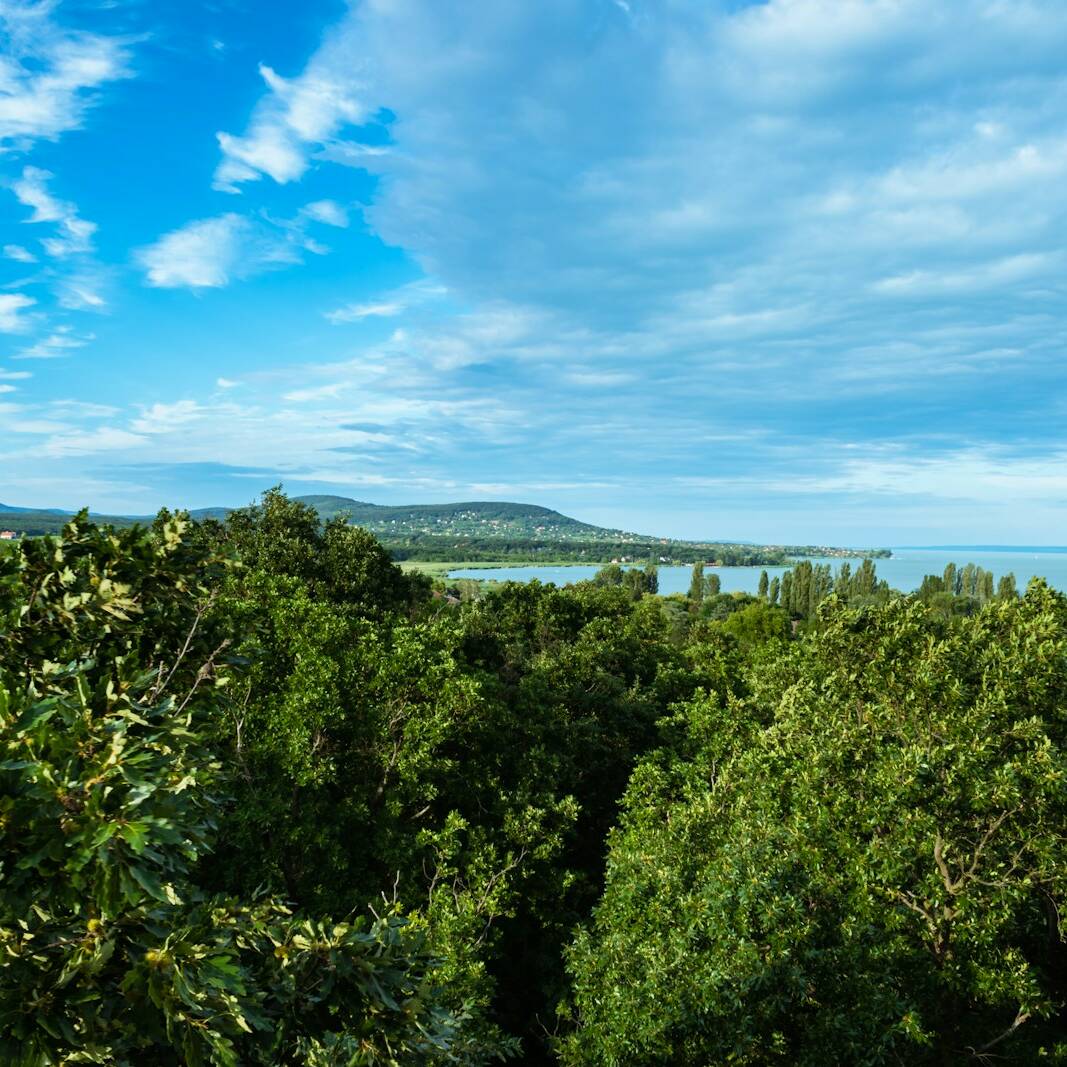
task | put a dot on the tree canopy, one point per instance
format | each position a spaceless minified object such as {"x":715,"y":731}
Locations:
{"x":265,"y":799}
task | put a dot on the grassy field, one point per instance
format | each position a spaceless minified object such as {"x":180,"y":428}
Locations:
{"x":439,"y":569}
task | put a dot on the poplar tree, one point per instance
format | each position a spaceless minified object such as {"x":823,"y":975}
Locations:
{"x":969,"y":580}
{"x":772,"y":596}
{"x":986,"y":585}
{"x":651,"y":578}
{"x":696,"y":585}
{"x":952,"y":579}
{"x":844,"y":579}
{"x":1006,"y":589}
{"x":865,"y":579}
{"x":712,"y":585}
{"x":764,"y":585}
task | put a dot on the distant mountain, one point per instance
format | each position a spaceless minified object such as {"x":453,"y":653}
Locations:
{"x":467,"y":519}
{"x":470,"y":518}
{"x":8,"y":509}
{"x":476,"y":529}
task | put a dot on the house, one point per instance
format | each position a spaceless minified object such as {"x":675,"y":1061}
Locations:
{"x":7,"y":535}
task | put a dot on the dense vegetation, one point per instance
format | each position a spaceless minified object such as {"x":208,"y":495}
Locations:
{"x":266,"y":799}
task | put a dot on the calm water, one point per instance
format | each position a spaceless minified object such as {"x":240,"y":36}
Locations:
{"x":903,"y":571}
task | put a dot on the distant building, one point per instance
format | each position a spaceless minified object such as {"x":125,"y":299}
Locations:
{"x":7,"y":535}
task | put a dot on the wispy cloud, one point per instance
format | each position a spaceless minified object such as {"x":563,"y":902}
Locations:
{"x":90,"y":442}
{"x":74,"y":234}
{"x":56,"y":345}
{"x":355,"y":312}
{"x":296,"y":116}
{"x":49,"y":72}
{"x":328,"y":212}
{"x":83,"y":289}
{"x":318,"y":392}
{"x":209,"y":253}
{"x":12,"y":305}
{"x":164,"y":418}
{"x":19,"y":254}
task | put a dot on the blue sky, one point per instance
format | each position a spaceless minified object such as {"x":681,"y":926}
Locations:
{"x":782,"y":271}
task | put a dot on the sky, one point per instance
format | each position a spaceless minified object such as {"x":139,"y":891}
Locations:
{"x":790,"y":271}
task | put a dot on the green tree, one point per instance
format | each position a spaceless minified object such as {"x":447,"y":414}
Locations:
{"x":337,"y":562}
{"x":1006,"y":588}
{"x":477,"y":756}
{"x":712,"y":585}
{"x":861,"y":863}
{"x":775,"y":589}
{"x":843,"y":582}
{"x":112,"y":666}
{"x":951,"y":579}
{"x":757,"y":624}
{"x":787,"y":592}
{"x":864,"y":580}
{"x":696,"y":585}
{"x":931,"y":586}
{"x":651,"y":575}
{"x":609,"y":575}
{"x":969,"y":581}
{"x":985,"y":585}
{"x":764,"y":585}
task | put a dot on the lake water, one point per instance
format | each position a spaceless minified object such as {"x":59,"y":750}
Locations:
{"x":904,"y":570}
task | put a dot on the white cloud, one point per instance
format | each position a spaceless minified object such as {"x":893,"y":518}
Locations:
{"x":90,"y":442}
{"x":973,"y":279}
{"x":81,"y":409}
{"x":164,"y":418}
{"x":14,"y":375}
{"x":7,"y":388}
{"x":48,"y":72}
{"x":81,"y":291}
{"x":75,"y":234}
{"x":355,"y":312}
{"x":318,"y":392}
{"x":226,"y":383}
{"x":983,"y":475}
{"x":56,"y":345}
{"x":11,"y":307}
{"x":295,"y":117}
{"x":598,"y":379}
{"x":328,"y":212}
{"x":209,"y":253}
{"x":199,"y":255}
{"x":19,"y":254}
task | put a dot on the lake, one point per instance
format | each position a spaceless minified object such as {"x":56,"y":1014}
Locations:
{"x":904,"y":570}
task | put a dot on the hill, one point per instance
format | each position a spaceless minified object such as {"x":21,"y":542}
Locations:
{"x":7,"y":509}
{"x":480,"y":530}
{"x":472,"y":518}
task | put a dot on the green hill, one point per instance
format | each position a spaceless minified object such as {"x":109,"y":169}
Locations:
{"x":472,"y":518}
{"x":475,"y":530}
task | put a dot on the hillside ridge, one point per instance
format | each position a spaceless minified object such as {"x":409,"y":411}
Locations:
{"x":478,"y":530}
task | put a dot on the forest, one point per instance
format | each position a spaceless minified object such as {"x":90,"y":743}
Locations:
{"x":267,"y":799}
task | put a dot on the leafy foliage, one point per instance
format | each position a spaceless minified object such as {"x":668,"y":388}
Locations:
{"x":112,"y":668}
{"x":823,"y":824}
{"x":862,"y":863}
